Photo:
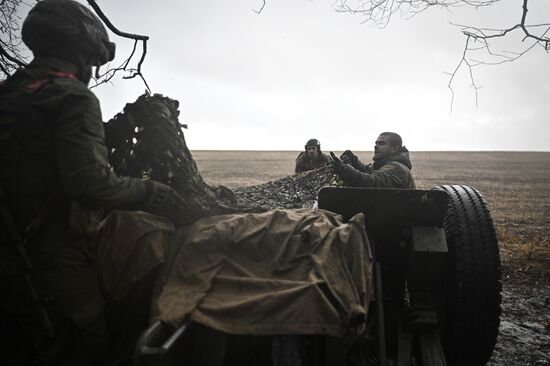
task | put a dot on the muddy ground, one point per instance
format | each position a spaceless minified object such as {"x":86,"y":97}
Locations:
{"x":517,"y":189}
{"x":524,"y":337}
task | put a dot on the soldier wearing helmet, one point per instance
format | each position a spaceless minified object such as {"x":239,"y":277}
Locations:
{"x":311,"y":158}
{"x":53,"y":154}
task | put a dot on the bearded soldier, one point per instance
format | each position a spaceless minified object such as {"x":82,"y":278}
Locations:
{"x":52,"y":153}
{"x":391,"y":167}
{"x":311,"y":158}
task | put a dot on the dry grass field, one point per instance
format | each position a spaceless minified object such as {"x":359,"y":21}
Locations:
{"x":516,"y":186}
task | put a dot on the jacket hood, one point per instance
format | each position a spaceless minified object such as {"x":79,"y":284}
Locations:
{"x":401,"y":156}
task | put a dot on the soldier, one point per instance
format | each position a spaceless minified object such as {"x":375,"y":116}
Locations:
{"x":391,"y":167}
{"x":52,"y":153}
{"x":311,"y":158}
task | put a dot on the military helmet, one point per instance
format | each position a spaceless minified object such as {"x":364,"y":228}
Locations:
{"x":313,"y":142}
{"x":67,"y":30}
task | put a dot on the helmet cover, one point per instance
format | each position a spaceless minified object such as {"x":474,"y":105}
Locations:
{"x":67,"y":30}
{"x":313,"y":142}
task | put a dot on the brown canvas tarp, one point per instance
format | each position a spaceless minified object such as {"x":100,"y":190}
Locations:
{"x":279,"y":272}
{"x":129,"y":245}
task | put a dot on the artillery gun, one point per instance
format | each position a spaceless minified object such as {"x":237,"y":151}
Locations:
{"x":437,"y":291}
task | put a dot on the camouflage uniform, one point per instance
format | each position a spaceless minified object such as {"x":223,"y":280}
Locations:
{"x":304,"y":163}
{"x":393,"y":171}
{"x":53,"y":154}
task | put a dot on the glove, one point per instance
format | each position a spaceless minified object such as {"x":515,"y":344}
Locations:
{"x":348,"y":157}
{"x":164,"y":201}
{"x":336,"y":164}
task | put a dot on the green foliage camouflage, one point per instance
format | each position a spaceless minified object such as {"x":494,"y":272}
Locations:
{"x":146,"y":141}
{"x":295,"y":191}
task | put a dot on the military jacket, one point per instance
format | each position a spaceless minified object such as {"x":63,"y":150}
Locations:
{"x":304,"y":163}
{"x":52,"y":140}
{"x":52,"y":152}
{"x":392,"y":172}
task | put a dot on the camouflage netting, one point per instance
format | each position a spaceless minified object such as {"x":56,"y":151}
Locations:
{"x":146,"y":141}
{"x":294,"y":191}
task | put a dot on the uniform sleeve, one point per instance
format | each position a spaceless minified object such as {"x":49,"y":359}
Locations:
{"x":82,"y":157}
{"x":391,"y":175}
{"x":365,"y":168}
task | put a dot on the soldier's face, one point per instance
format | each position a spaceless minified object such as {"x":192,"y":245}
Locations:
{"x":312,"y":152}
{"x":383,"y":147}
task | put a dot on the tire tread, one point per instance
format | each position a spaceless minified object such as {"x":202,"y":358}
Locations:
{"x":472,"y":315}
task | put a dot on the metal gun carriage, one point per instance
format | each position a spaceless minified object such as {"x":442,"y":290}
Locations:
{"x":437,"y":291}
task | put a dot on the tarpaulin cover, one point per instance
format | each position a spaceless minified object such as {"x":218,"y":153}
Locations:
{"x":298,"y":271}
{"x":130,"y":244}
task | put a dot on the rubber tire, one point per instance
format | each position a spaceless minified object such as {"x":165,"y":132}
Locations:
{"x":472,"y":311}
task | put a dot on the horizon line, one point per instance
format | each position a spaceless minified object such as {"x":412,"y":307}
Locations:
{"x":371,"y":151}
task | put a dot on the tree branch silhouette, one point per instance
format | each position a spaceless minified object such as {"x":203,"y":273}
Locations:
{"x":261,"y":8}
{"x":111,"y":72}
{"x":380,"y":12}
{"x":10,"y":44}
{"x":10,"y":55}
{"x":482,"y":37}
{"x":478,"y":40}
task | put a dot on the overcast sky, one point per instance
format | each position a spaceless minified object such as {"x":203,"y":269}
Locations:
{"x":301,"y":70}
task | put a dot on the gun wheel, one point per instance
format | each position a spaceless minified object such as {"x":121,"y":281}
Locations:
{"x":469,"y":327}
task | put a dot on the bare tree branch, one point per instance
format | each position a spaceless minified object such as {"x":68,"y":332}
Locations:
{"x":110,"y":25}
{"x":3,"y":69}
{"x":110,"y":73}
{"x":480,"y":33}
{"x":11,"y":58}
{"x":463,"y":61}
{"x":10,"y":42}
{"x":478,"y":40}
{"x":261,"y":8}
{"x":380,"y":12}
{"x":485,"y":35}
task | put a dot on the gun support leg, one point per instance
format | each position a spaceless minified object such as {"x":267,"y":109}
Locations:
{"x":380,"y":314}
{"x":431,"y":349}
{"x":420,"y":322}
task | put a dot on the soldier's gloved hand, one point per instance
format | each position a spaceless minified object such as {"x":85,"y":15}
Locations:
{"x":348,"y":157}
{"x":163,"y":200}
{"x":336,"y":163}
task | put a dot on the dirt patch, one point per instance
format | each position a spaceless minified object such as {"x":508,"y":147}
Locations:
{"x":525,"y":257}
